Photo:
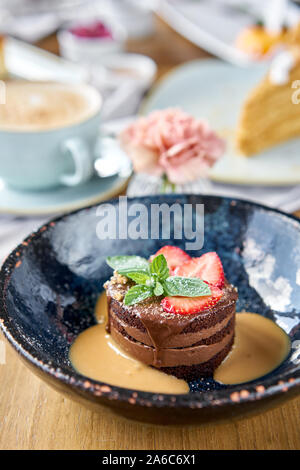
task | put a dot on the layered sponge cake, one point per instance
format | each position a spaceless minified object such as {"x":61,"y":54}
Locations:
{"x":187,"y":337}
{"x":270,"y":115}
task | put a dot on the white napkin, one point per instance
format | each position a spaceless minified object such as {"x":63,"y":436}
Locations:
{"x":284,"y":198}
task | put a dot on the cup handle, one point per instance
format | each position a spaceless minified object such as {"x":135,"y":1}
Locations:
{"x":83,"y":162}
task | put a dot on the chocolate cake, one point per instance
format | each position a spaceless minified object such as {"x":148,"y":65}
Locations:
{"x":186,"y":346}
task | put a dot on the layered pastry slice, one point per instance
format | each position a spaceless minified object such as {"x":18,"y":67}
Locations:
{"x":186,"y":336}
{"x":270,"y":115}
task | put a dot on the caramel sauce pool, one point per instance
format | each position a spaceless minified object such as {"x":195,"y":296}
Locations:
{"x":259,"y":347}
{"x":96,"y":355}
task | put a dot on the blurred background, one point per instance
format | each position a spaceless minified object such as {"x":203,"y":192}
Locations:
{"x":202,"y":56}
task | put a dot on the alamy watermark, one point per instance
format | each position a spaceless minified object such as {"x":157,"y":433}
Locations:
{"x":2,"y":353}
{"x":2,"y":92}
{"x":296,"y":93}
{"x":134,"y":221}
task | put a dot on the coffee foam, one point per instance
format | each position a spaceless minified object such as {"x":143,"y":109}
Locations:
{"x":42,"y":106}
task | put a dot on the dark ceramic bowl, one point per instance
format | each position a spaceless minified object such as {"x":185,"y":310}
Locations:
{"x":50,"y":283}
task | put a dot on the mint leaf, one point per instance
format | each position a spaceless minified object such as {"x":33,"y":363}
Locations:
{"x":140,"y":278}
{"x":185,"y":287}
{"x":158,"y":289}
{"x":136,"y":294}
{"x":128,"y":264}
{"x":159,"y":267}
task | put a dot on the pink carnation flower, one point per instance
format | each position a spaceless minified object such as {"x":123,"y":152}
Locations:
{"x":174,"y":143}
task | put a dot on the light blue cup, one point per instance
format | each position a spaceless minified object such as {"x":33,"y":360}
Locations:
{"x":38,"y":159}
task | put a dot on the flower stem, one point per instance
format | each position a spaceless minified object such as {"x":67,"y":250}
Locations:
{"x":167,"y":186}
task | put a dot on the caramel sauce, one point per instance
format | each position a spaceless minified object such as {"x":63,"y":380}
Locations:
{"x":96,"y":355}
{"x":260,"y":346}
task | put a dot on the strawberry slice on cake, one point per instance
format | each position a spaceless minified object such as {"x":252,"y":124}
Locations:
{"x":191,"y":305}
{"x":174,"y":255}
{"x":207,"y":267}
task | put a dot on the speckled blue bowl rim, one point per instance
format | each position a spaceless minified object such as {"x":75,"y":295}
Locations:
{"x":241,"y":393}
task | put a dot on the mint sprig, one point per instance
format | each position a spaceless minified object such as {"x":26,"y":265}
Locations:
{"x":136,"y":294}
{"x":140,"y":278}
{"x":127,"y":264}
{"x":159,"y":267}
{"x":179,"y":286}
{"x":153,"y":279}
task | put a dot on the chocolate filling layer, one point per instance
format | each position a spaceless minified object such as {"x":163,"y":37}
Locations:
{"x":181,"y":340}
{"x":171,"y":357}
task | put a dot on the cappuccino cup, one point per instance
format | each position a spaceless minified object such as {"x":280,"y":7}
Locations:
{"x":48,"y":132}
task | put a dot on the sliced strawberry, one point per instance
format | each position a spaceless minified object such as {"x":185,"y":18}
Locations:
{"x":189,"y":305}
{"x":208,"y":267}
{"x":175,"y":256}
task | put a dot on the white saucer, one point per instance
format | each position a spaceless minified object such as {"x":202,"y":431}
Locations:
{"x":61,"y":199}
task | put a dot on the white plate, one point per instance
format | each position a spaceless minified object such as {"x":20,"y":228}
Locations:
{"x":215,"y":24}
{"x":215,"y":91}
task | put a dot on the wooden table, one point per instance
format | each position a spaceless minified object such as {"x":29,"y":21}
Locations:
{"x":33,"y":416}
